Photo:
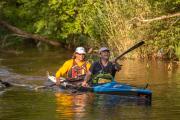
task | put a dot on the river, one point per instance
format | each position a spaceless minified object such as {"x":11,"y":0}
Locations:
{"x":29,"y":68}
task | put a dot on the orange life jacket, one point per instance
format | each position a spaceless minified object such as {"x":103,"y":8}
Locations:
{"x":77,"y":71}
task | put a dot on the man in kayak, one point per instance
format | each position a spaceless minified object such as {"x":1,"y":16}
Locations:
{"x":75,"y":68}
{"x":103,"y":66}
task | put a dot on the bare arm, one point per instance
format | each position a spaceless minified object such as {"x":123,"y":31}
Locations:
{"x":88,"y":76}
{"x":86,"y":79}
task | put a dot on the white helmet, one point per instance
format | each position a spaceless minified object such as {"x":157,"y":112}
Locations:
{"x":80,"y":50}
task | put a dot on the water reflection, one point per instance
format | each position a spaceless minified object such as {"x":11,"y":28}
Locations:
{"x":82,"y":105}
{"x":72,"y":106}
{"x":116,"y":100}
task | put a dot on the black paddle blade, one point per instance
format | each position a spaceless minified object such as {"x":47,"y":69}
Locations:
{"x":130,"y":49}
{"x":140,"y":43}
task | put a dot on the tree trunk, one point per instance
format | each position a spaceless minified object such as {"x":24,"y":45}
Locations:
{"x":25,"y":34}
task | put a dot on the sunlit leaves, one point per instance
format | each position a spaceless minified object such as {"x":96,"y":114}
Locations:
{"x":112,"y":22}
{"x":40,"y":25}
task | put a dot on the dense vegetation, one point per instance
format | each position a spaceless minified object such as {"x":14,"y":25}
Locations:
{"x":93,"y":23}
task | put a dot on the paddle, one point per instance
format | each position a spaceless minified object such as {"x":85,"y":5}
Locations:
{"x":138,"y":44}
{"x":69,"y":84}
{"x":44,"y":87}
{"x":128,"y":50}
{"x":53,"y":79}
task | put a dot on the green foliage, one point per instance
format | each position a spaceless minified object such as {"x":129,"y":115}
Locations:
{"x":109,"y":23}
{"x":164,"y":34}
{"x":95,"y":23}
{"x":53,"y":18}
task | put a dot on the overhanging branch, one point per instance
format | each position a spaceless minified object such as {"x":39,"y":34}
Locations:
{"x":159,"y":18}
{"x":25,"y":34}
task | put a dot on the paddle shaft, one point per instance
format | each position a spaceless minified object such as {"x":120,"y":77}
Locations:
{"x":64,"y":80}
{"x":128,"y":50}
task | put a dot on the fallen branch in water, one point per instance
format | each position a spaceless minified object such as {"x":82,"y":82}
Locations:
{"x":4,"y":84}
{"x":24,"y":34}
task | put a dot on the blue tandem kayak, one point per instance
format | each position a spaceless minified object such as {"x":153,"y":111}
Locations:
{"x":113,"y":88}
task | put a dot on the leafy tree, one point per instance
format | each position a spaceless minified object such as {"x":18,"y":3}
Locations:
{"x":113,"y":23}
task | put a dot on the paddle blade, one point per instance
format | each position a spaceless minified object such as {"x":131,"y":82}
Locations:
{"x":130,"y":49}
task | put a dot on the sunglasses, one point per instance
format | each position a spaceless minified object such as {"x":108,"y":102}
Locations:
{"x":80,"y":54}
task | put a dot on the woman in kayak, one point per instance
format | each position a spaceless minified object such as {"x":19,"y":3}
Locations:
{"x":103,"y":66}
{"x":75,"y":68}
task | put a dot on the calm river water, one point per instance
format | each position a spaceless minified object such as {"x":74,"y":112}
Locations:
{"x":29,"y":68}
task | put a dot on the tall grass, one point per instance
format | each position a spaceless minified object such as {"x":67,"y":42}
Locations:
{"x":113,"y":24}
